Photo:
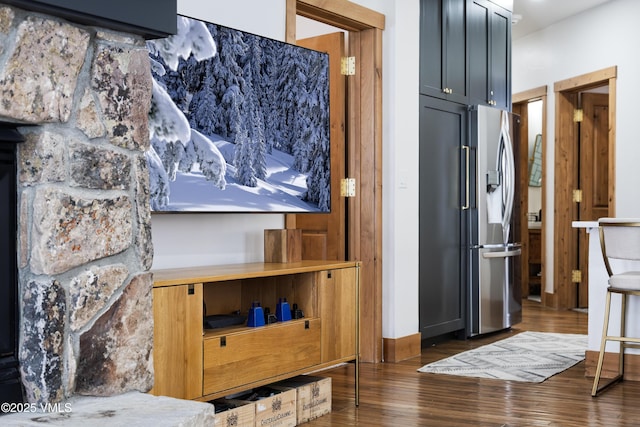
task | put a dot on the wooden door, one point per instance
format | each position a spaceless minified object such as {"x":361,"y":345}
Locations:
{"x":566,"y":171}
{"x":522,"y":202}
{"x":593,"y":176}
{"x":323,"y":235}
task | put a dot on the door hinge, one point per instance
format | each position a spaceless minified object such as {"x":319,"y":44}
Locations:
{"x":348,"y":66}
{"x":576,"y":196}
{"x":348,"y":187}
{"x":576,"y":276}
{"x":578,"y":115}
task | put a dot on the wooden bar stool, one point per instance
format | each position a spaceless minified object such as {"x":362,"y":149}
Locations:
{"x":619,"y":239}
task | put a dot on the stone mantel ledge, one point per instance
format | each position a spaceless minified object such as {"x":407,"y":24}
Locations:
{"x":128,"y":409}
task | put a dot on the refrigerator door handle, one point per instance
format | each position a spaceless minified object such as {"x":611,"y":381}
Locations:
{"x":502,"y":254}
{"x":467,"y":205}
{"x":497,"y":246}
{"x":509,"y":173}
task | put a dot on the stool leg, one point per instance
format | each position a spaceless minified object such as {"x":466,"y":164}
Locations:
{"x":603,"y":343}
{"x":623,"y":332}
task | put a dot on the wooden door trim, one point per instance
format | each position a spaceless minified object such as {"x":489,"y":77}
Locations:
{"x":530,"y":95}
{"x":340,"y":13}
{"x":364,"y":114}
{"x":565,"y":247}
{"x":524,"y":98}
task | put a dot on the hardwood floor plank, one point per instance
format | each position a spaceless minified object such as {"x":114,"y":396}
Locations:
{"x":395,"y":394}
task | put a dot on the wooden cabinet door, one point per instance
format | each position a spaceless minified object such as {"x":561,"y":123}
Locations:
{"x":500,"y":82}
{"x":337,"y":301}
{"x":443,"y":55}
{"x":478,"y":18}
{"x":177,"y":341}
{"x":455,"y":50}
{"x":442,"y":195}
{"x":431,"y":52}
{"x":489,"y":41}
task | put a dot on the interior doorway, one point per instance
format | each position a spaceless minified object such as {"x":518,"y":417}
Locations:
{"x":363,"y":128}
{"x":584,"y":184}
{"x":531,"y":106}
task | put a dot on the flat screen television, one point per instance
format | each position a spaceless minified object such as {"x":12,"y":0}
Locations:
{"x":238,"y":123}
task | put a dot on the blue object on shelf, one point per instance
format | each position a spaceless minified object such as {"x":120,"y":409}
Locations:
{"x":283,"y":311}
{"x":256,"y":315}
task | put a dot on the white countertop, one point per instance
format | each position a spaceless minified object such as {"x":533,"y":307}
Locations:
{"x":584,"y":224}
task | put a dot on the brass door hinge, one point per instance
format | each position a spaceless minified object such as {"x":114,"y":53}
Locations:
{"x":348,"y":187}
{"x":578,"y":115}
{"x":577,"y":196}
{"x":576,"y":276}
{"x":348,"y":66}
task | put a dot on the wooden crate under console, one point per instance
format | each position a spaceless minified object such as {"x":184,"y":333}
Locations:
{"x":191,"y":362}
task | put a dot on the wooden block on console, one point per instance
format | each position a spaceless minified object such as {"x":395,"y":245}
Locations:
{"x":283,"y":245}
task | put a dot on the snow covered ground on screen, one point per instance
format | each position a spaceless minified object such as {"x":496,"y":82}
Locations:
{"x":191,"y":191}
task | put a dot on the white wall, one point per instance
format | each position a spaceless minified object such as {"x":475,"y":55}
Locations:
{"x":599,"y":38}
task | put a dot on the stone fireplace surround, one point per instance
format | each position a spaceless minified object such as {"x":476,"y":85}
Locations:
{"x":84,"y":238}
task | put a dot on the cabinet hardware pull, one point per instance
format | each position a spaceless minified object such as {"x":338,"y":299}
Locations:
{"x":306,"y":324}
{"x":223,"y":341}
{"x":191,"y":290}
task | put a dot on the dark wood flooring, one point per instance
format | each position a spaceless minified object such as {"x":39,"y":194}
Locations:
{"x":395,"y":394}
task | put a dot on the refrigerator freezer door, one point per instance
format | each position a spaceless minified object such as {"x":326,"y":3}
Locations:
{"x":498,"y":305}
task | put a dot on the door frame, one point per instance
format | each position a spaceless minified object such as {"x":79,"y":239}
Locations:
{"x":520,"y":101}
{"x":364,"y":146}
{"x":566,"y":178}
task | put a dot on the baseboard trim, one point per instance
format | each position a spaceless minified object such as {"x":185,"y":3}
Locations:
{"x":398,"y":349}
{"x":549,"y":300}
{"x":610,"y":365}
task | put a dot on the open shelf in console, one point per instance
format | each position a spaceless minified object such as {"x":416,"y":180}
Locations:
{"x":237,"y":296}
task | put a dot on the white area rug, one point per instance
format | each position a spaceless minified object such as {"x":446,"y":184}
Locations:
{"x":527,"y":357}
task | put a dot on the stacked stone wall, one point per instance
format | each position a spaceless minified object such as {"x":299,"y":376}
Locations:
{"x":85,"y":247}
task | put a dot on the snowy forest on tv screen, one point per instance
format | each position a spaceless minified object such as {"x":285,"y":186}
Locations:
{"x":238,"y":122}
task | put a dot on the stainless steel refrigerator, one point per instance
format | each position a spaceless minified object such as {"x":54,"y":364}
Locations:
{"x":494,"y":297}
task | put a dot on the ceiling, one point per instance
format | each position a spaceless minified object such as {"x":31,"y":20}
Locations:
{"x":538,"y":14}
